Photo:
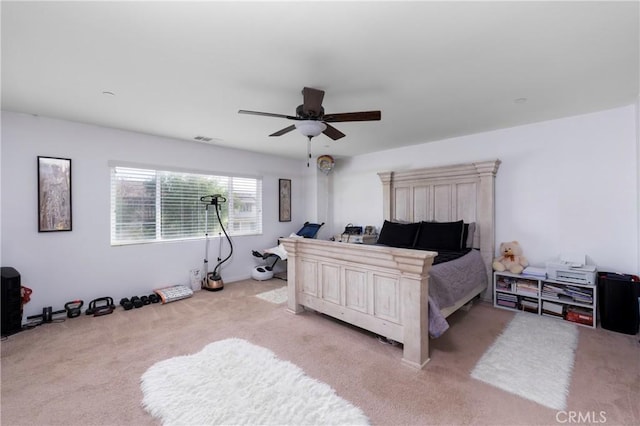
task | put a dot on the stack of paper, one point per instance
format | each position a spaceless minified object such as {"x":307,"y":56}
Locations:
{"x":534,"y":271}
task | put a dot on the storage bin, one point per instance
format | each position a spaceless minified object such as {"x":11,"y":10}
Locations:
{"x":618,"y":300}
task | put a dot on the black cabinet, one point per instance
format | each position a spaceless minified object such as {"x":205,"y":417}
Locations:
{"x":11,"y":299}
{"x":618,"y":299}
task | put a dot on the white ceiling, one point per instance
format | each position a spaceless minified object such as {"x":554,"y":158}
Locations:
{"x":435,"y":69}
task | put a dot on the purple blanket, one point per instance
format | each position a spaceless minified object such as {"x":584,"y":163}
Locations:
{"x":449,"y":282}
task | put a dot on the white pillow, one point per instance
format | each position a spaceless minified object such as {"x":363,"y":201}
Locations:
{"x":470,"y":233}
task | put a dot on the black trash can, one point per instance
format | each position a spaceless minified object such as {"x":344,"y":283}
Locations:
{"x":618,"y":299}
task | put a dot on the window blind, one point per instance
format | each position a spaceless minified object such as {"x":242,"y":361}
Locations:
{"x":157,"y":205}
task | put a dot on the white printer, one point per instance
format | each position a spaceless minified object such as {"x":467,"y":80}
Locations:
{"x":571,"y":270}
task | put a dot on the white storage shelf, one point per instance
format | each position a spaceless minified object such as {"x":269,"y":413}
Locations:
{"x":576,"y":303}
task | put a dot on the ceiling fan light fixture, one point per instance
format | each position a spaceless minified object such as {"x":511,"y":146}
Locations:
{"x":310,"y":128}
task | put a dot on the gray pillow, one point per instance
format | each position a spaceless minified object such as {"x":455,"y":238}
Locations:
{"x":468,"y":234}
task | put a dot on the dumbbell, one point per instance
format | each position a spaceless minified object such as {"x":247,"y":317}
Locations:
{"x":145,"y":300}
{"x":126,"y":303}
{"x":137,"y":302}
{"x":154,"y":298}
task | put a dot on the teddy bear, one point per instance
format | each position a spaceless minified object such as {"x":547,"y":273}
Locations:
{"x":510,"y":259}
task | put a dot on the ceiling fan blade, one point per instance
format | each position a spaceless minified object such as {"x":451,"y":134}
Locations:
{"x":283,"y":131}
{"x":333,"y":133}
{"x":267,"y":114}
{"x":353,"y":116}
{"x":312,"y":101}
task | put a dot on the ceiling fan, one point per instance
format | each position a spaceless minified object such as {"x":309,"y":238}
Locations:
{"x":311,"y":120}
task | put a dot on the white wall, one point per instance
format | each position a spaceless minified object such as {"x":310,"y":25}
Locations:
{"x":565,"y":185}
{"x":319,"y":199}
{"x":81,"y":264}
{"x":638,"y":171}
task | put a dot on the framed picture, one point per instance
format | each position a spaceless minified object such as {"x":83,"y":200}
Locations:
{"x":54,"y":194}
{"x":285,"y":200}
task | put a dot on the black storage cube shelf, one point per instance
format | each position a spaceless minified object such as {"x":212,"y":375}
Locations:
{"x":618,"y":300}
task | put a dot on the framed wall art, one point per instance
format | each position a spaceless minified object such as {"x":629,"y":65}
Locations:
{"x":285,"y":200}
{"x":54,"y":194}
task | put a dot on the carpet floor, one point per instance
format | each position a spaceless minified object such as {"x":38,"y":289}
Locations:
{"x":86,"y":370}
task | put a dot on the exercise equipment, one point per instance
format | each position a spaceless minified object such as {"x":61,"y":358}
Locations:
{"x":154,"y":298}
{"x":265,"y":272}
{"x":262,"y":273}
{"x":137,"y":302}
{"x":73,"y":308}
{"x":126,"y":303}
{"x":213,"y":281}
{"x":173,"y":293}
{"x":100,"y":306}
{"x":47,"y":314}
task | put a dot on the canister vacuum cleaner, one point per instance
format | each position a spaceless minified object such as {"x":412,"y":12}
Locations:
{"x":212,"y":281}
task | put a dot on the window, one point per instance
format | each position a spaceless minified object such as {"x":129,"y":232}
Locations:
{"x":154,"y":205}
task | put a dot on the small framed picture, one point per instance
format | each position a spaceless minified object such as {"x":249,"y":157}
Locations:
{"x":285,"y":200}
{"x":54,"y":194}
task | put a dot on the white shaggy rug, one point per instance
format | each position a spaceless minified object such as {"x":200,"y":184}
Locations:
{"x":234,"y":382}
{"x":278,"y":295}
{"x":532,"y":358}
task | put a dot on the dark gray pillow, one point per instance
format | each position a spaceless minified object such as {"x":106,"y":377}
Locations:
{"x":398,"y":234}
{"x":440,"y":235}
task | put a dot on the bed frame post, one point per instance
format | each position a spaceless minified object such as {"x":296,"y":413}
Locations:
{"x":486,"y":219}
{"x":415,"y":306}
{"x":292,"y":295}
{"x":387,"y":208}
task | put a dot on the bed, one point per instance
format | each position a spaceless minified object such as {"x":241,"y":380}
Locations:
{"x":385,"y":289}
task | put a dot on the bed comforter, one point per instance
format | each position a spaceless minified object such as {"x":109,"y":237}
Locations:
{"x":448,"y":282}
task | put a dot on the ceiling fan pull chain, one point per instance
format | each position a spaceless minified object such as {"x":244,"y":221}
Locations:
{"x":308,"y":151}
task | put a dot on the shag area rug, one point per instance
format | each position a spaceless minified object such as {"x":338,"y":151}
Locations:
{"x":532,"y":358}
{"x":234,"y":382}
{"x":278,"y":295}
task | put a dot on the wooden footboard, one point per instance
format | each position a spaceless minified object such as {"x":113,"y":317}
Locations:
{"x":381,"y":289}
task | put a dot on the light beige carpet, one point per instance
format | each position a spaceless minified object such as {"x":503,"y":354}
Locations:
{"x":86,"y":370}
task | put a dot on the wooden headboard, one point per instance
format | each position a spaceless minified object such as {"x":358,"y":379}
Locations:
{"x":447,"y":193}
